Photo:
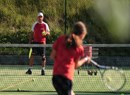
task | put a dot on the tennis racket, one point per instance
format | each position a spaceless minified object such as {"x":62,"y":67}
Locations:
{"x":113,"y":77}
{"x":30,"y":53}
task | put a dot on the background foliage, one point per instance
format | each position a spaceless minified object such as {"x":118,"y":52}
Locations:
{"x":17,"y":17}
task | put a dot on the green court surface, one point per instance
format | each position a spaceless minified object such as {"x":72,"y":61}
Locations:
{"x":54,"y":93}
{"x":14,"y":81}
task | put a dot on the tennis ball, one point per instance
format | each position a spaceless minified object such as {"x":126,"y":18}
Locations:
{"x":108,"y":79}
{"x":43,"y":33}
{"x":33,"y":79}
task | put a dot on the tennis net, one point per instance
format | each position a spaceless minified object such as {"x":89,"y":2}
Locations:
{"x":14,"y":63}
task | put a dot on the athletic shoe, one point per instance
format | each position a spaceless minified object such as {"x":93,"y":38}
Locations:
{"x":42,"y":72}
{"x":29,"y":72}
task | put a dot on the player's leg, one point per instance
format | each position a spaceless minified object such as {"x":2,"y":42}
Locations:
{"x":43,"y":65}
{"x":62,"y":85}
{"x":71,"y":92}
{"x":56,"y":84}
{"x":42,"y":51}
{"x":31,"y":61}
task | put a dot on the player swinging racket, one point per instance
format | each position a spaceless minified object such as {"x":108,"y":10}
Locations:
{"x":66,"y":53}
{"x":40,"y":30}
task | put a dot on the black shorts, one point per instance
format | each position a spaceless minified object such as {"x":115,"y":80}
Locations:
{"x":38,"y":50}
{"x":61,"y":84}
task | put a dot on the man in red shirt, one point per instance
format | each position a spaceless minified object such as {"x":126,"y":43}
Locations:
{"x":66,"y":53}
{"x":40,"y":30}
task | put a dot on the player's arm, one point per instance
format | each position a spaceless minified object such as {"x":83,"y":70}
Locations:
{"x":79,"y":62}
{"x":53,"y":54}
{"x":30,"y":37}
{"x":47,"y":30}
{"x":47,"y":33}
{"x":32,"y":32}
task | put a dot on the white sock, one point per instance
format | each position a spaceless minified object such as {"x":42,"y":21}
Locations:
{"x":43,"y":68}
{"x":30,"y":67}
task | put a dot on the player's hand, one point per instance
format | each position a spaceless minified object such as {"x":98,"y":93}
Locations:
{"x":44,"y":33}
{"x":88,"y":59}
{"x":47,"y":33}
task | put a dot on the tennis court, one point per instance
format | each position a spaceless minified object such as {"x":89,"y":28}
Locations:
{"x":14,"y":81}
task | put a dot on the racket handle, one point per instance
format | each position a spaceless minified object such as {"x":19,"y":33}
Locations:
{"x":95,"y":64}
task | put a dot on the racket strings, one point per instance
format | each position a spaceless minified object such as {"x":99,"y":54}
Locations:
{"x":113,"y":79}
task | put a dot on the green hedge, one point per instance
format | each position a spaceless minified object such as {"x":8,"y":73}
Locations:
{"x":21,"y":37}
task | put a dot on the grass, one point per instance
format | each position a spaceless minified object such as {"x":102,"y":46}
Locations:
{"x":14,"y":81}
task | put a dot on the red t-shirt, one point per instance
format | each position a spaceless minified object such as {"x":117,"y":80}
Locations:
{"x":38,"y":29}
{"x":64,"y":63}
